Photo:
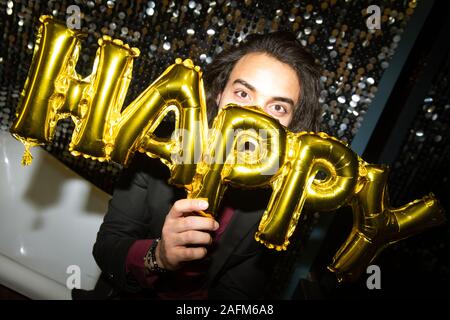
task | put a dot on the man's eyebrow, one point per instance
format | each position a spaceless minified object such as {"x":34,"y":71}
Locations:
{"x":252,"y":88}
{"x":284,"y":99}
{"x":245,"y":84}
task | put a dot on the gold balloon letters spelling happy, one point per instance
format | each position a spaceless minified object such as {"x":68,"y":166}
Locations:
{"x":203,"y":162}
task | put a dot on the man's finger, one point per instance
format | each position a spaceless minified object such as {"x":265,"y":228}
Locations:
{"x":187,"y":205}
{"x":195,"y":223}
{"x":189,"y":254}
{"x":193,"y":237}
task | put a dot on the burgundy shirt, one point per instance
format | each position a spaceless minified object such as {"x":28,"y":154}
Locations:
{"x":187,"y":282}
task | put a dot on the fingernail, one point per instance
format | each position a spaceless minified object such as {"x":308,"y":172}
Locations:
{"x":216,"y":225}
{"x":203,"y":204}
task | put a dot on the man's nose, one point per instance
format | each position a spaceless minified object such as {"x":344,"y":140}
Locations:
{"x":260,"y":103}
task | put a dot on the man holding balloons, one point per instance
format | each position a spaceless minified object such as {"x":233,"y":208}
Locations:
{"x":189,"y":238}
{"x":197,"y":256}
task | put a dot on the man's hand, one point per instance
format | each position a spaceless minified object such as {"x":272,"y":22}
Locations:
{"x":184,"y":236}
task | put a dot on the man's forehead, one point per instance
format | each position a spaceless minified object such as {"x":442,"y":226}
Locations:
{"x":265,"y":74}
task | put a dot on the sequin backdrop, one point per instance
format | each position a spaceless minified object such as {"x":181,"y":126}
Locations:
{"x":418,"y":267}
{"x":352,"y":56}
{"x":423,"y":166}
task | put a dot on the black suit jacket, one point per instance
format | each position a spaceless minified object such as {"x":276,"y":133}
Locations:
{"x":240,"y":267}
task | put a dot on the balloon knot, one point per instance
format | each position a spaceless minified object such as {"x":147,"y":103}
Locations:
{"x":27,"y":158}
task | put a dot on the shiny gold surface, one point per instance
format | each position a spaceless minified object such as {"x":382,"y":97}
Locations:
{"x":206,"y":163}
{"x":377,"y":225}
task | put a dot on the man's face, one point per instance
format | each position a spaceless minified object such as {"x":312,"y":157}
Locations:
{"x":260,"y":80}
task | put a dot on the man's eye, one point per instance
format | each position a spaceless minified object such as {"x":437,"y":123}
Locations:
{"x":279,"y":108}
{"x":242,"y":94}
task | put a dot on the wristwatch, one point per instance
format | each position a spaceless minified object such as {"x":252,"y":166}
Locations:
{"x":151,"y":266}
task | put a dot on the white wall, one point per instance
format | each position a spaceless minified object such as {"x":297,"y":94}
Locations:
{"x":49,"y":217}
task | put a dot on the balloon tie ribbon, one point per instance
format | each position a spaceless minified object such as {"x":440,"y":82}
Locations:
{"x":27,"y":158}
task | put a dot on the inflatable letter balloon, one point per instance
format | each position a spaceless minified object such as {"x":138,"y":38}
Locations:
{"x":296,"y":186}
{"x":103,"y":131}
{"x":246,"y":147}
{"x":376,"y":224}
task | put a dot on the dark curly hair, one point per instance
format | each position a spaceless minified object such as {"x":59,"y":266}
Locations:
{"x":283,"y":46}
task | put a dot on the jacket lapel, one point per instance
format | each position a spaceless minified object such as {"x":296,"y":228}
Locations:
{"x":240,"y":228}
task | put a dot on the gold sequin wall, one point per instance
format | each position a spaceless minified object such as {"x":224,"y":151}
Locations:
{"x":353,"y":56}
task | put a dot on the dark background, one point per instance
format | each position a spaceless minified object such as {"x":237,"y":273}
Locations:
{"x":411,"y":133}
